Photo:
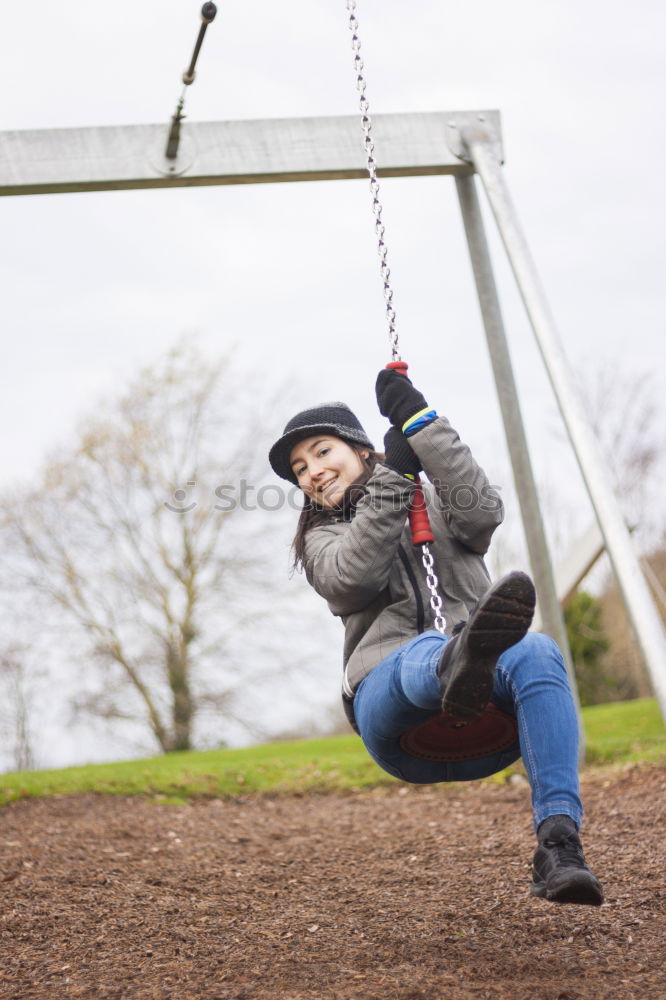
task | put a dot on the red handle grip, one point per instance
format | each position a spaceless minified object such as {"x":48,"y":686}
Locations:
{"x":398,"y":366}
{"x":419,"y":522}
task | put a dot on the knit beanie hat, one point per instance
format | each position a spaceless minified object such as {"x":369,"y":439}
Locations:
{"x":332,"y":418}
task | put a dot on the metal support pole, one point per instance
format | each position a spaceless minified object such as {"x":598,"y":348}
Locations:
{"x":208,"y":12}
{"x":523,"y":476}
{"x":481,"y":146}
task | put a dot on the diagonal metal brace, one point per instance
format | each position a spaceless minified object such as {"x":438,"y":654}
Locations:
{"x":478,"y":146}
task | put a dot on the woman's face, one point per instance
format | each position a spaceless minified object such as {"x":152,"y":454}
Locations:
{"x":325,"y":466}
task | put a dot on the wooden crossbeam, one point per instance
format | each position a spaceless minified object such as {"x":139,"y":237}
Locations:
{"x":124,"y":157}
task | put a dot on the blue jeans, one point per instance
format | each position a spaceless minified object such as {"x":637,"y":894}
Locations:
{"x":531,"y":684}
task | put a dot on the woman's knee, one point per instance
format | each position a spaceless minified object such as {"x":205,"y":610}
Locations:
{"x":536,"y":652}
{"x":539,"y":644}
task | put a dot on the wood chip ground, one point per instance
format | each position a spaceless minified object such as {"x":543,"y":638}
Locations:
{"x":401,"y":894}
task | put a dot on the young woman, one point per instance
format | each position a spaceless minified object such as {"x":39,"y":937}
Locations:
{"x":354,"y":542}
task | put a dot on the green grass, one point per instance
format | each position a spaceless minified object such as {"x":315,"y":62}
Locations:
{"x":333,"y":764}
{"x":624,"y":731}
{"x":617,"y":733}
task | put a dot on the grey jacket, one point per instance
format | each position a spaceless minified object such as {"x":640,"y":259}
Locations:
{"x":371,"y":574}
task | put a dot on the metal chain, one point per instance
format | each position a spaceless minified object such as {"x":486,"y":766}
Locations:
{"x":369,"y":146}
{"x":439,"y":621}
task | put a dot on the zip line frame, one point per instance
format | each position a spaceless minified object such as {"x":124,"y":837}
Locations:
{"x":458,"y":143}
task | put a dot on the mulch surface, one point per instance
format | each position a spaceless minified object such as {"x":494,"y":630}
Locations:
{"x":400,"y":894}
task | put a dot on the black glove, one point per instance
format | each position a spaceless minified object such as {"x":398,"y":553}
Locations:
{"x":400,"y":455}
{"x":397,"y":398}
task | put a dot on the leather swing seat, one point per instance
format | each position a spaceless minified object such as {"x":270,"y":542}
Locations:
{"x":445,"y":737}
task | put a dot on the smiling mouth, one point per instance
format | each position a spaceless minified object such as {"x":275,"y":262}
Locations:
{"x":328,"y":486}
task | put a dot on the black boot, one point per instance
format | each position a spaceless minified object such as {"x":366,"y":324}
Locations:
{"x":467,"y":667}
{"x":559,"y":871}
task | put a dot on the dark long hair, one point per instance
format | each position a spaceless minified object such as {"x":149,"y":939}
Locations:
{"x":312,"y":515}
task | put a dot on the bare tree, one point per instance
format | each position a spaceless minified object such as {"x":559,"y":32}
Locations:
{"x":16,"y":696}
{"x":143,"y":537}
{"x":623,"y":664}
{"x":624,"y":410}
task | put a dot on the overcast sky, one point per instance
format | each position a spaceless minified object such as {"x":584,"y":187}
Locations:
{"x":96,"y":283}
{"x":286,"y":275}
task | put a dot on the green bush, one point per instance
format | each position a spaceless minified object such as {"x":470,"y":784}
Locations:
{"x":588,"y":643}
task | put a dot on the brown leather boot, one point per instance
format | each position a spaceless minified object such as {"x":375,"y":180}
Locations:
{"x":467,"y":667}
